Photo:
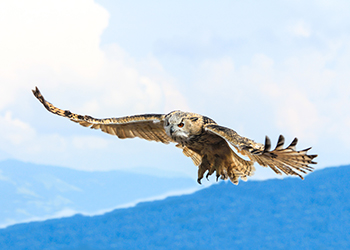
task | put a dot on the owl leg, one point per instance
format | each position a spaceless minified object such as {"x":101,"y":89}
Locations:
{"x":215,"y":167}
{"x":210,"y":171}
{"x":202,"y":168}
{"x":221,"y":168}
{"x":208,"y":174}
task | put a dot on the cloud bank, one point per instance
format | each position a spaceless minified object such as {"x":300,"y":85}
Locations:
{"x":266,"y":69}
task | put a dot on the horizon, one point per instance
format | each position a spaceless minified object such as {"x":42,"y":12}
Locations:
{"x":68,"y":211}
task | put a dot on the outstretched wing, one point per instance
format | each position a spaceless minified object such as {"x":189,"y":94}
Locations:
{"x":148,"y":126}
{"x":286,"y":160}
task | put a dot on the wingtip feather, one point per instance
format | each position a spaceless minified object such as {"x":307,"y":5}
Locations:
{"x":293,"y":144}
{"x":280,"y":142}
{"x":267,"y":144}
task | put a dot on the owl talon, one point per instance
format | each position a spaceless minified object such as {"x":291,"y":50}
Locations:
{"x":207,"y":176}
{"x":199,"y":181}
{"x":217,"y":177}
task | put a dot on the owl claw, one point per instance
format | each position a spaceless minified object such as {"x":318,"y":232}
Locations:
{"x":217,"y":177}
{"x":199,"y":181}
{"x":207,"y":176}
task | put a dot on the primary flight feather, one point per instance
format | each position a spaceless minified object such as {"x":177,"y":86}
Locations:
{"x":202,"y":139}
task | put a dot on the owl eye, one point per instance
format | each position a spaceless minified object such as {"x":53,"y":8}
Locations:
{"x":180,"y":125}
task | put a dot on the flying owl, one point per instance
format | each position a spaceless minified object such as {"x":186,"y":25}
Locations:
{"x":202,"y":139}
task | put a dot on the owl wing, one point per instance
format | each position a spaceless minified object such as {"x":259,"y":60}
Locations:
{"x":148,"y":126}
{"x":286,"y":160}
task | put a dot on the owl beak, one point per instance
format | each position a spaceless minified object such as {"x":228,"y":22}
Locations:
{"x":172,"y":130}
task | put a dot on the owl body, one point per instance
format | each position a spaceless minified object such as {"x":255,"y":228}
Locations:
{"x":187,"y":129}
{"x":208,"y":144}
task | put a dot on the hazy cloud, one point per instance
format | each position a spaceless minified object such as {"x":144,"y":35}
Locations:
{"x":56,"y":46}
{"x":263,"y":69}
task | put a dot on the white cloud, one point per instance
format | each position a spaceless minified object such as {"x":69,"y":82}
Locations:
{"x":51,"y":182}
{"x":57,"y":34}
{"x":27,"y":191}
{"x":92,"y":142}
{"x":268,"y":79}
{"x":55,"y":45}
{"x":43,"y":41}
{"x":14,"y":131}
{"x":295,"y":113}
{"x":301,"y":96}
{"x":300,"y":29}
{"x":4,"y":178}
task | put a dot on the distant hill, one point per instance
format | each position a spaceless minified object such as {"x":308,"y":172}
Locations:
{"x":32,"y":192}
{"x":272,"y":214}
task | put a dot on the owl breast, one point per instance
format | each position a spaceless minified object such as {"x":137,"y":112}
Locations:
{"x":203,"y":142}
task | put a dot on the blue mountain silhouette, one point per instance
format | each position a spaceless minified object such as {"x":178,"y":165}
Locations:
{"x":272,"y":214}
{"x":35,"y":192}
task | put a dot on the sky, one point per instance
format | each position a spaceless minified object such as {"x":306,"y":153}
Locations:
{"x":258,"y":67}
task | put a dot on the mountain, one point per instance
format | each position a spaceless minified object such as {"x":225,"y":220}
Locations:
{"x":272,"y":214}
{"x":35,"y":192}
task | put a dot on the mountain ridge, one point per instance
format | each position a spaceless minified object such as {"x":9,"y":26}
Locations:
{"x":36,"y":192}
{"x":271,"y":214}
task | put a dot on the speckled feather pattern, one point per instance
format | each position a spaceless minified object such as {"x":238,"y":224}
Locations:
{"x":201,"y":139}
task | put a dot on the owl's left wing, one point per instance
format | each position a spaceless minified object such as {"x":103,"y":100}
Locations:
{"x":147,"y":126}
{"x":286,"y":160}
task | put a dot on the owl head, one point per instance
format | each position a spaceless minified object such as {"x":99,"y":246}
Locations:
{"x":182,"y":125}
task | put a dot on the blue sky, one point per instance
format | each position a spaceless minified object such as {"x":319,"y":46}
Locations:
{"x":261,"y":68}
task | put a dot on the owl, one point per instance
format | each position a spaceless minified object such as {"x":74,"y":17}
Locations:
{"x":203,"y":140}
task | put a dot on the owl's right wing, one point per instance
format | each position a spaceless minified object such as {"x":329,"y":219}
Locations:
{"x":147,"y":126}
{"x":287,"y":160}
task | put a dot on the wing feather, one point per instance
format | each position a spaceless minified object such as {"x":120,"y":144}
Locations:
{"x":196,"y":158}
{"x":147,"y":126}
{"x":280,"y":160}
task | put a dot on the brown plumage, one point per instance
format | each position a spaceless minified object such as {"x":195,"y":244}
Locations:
{"x":202,"y":139}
